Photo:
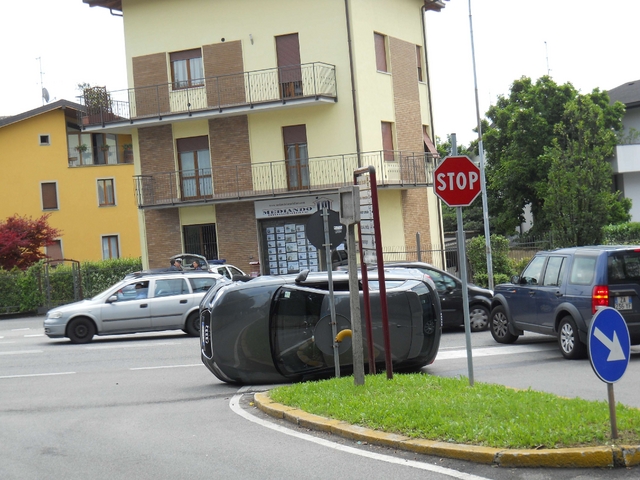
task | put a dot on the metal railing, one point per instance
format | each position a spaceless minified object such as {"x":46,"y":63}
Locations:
{"x":244,"y":89}
{"x":282,"y":177}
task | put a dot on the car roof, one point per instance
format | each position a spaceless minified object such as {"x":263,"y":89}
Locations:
{"x":171,"y":273}
{"x":591,"y":248}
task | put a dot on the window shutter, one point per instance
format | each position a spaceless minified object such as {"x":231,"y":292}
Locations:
{"x":192,"y":144}
{"x":49,"y":196}
{"x":186,"y":55}
{"x":381,"y":52}
{"x":288,"y":53}
{"x":295,"y":134}
{"x":387,"y":141}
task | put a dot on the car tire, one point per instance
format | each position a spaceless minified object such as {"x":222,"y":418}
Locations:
{"x":479,"y":318}
{"x":81,"y":330}
{"x":569,"y":341}
{"x":499,"y":325}
{"x":192,"y":327}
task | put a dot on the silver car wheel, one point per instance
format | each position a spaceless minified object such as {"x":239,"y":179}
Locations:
{"x":478,"y":318}
{"x":567,"y":338}
{"x":500,"y":324}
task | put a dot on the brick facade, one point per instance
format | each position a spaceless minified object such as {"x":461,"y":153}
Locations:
{"x":151,"y":70}
{"x":415,"y":211}
{"x":224,"y":59}
{"x":164,"y":238}
{"x":156,"y":149}
{"x":230,"y":154}
{"x":237,"y":231}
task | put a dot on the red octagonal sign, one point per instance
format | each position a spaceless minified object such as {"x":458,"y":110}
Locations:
{"x":457,"y":181}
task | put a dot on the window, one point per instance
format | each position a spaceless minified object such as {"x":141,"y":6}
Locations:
{"x":170,"y":287}
{"x":296,"y":155}
{"x":106,"y":192}
{"x":54,"y":251}
{"x":531,"y":274}
{"x":553,"y":273}
{"x":45,"y":140}
{"x":419,"y":62}
{"x":186,"y":68}
{"x":49,"y":195}
{"x":201,"y":284}
{"x":195,"y":167}
{"x":105,"y":149}
{"x":583,"y":270}
{"x":80,"y":149}
{"x":110,"y":248}
{"x":289,"y":71}
{"x":387,"y":141}
{"x":381,"y":52}
{"x":201,"y":239}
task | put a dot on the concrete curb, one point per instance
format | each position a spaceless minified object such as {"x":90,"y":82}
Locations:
{"x":587,"y":457}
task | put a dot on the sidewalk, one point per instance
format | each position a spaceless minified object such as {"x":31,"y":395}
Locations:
{"x":587,"y":457}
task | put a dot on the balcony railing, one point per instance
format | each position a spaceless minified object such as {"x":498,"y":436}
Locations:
{"x":284,"y":177}
{"x":246,"y":89}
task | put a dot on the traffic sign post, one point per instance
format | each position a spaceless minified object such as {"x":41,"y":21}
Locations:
{"x":456,"y":181}
{"x":609,"y":351}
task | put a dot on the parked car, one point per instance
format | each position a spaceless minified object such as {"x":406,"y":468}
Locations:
{"x":559,"y":291}
{"x":142,"y":302}
{"x":275,"y":329}
{"x":215,"y":266}
{"x":449,"y":290}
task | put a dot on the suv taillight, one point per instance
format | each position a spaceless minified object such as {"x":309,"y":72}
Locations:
{"x":600,"y":297}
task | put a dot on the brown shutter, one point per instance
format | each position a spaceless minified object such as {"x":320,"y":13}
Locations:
{"x":54,"y":250}
{"x":150,"y":71}
{"x":294,"y":134}
{"x":224,"y":61}
{"x":193,"y":144}
{"x":381,"y":52}
{"x":185,"y":55}
{"x":49,"y":196}
{"x":387,"y":141}
{"x":429,"y":147}
{"x":288,"y":53}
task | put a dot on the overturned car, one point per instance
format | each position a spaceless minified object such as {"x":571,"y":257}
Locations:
{"x":276,"y":329}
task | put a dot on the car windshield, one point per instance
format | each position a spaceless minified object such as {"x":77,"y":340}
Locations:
{"x":109,"y":291}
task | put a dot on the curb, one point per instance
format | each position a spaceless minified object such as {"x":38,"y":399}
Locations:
{"x":587,"y":457}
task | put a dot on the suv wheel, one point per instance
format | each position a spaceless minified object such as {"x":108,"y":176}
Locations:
{"x":500,"y":326}
{"x":478,"y":318}
{"x":569,"y":341}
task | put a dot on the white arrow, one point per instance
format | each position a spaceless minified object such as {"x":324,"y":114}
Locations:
{"x":614,"y":346}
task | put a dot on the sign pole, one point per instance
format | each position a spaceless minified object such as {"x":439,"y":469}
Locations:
{"x":612,"y":411}
{"x":332,"y":303}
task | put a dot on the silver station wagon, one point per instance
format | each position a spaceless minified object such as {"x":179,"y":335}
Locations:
{"x":139,"y":303}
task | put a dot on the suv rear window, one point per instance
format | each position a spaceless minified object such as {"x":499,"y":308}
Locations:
{"x":583,"y":270}
{"x":624,"y":267}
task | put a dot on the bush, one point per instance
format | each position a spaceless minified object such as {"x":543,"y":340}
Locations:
{"x":482,"y":279}
{"x":10,"y":298}
{"x":477,"y":255}
{"x":621,"y":234}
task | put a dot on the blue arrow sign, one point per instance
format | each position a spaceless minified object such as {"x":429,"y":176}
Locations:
{"x":609,"y":345}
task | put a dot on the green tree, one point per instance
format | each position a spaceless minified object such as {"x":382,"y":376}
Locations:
{"x":578,"y":201}
{"x":521,"y":126}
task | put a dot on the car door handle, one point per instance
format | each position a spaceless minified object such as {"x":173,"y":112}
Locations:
{"x":183,"y":301}
{"x":531,"y":293}
{"x":143,"y":305}
{"x":558,"y":294}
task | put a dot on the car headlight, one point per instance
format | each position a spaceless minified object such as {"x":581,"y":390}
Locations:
{"x":54,"y":315}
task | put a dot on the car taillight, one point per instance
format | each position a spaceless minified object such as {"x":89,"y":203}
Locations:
{"x":600,"y":297}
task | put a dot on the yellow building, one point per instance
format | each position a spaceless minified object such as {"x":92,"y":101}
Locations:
{"x":246,"y":116}
{"x":86,"y":190}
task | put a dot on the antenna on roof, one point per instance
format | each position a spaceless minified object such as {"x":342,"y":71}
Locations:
{"x":547,"y":54}
{"x":45,"y":93}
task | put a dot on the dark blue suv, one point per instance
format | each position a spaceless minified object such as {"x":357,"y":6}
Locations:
{"x":559,"y":291}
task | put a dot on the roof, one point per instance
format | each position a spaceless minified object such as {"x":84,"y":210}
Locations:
{"x":627,"y":93}
{"x":435,"y":5}
{"x":60,"y":104}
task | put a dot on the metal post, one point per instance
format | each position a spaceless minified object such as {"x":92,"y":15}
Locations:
{"x":418,"y":246}
{"x":332,"y":305}
{"x":612,"y":411}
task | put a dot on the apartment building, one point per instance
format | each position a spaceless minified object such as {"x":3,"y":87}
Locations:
{"x":247,"y":117}
{"x":82,"y":180}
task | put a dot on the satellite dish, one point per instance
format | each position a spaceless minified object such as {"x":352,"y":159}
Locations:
{"x":45,"y":95}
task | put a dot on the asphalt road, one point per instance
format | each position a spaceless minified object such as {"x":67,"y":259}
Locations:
{"x":143,"y":406}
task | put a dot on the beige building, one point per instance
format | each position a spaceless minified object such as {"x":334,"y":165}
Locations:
{"x":246,"y":116}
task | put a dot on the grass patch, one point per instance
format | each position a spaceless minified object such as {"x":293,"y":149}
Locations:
{"x":448,"y":409}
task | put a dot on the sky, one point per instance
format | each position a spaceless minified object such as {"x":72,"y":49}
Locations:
{"x":590,"y":43}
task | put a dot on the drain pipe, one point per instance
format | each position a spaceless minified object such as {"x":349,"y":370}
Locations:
{"x":423,"y":12}
{"x":356,"y":123}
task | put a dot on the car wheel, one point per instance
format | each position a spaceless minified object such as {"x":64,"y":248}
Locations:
{"x":192,"y":327}
{"x":500,"y":326}
{"x":569,"y":340}
{"x":478,"y":318}
{"x":81,"y":330}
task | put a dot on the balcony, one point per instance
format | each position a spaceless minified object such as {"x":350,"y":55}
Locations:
{"x":281,"y":178}
{"x":212,"y":96}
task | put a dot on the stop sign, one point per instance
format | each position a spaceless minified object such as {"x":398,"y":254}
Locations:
{"x":457,"y":181}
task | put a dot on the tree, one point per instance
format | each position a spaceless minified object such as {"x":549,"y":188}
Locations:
{"x":521,"y":126}
{"x":523,"y":142}
{"x":22,"y":240}
{"x":578,"y":200}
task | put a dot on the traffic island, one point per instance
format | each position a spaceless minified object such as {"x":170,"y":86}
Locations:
{"x":586,"y":457}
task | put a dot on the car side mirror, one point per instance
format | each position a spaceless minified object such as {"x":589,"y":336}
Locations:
{"x":112,"y":298}
{"x":515,"y":279}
